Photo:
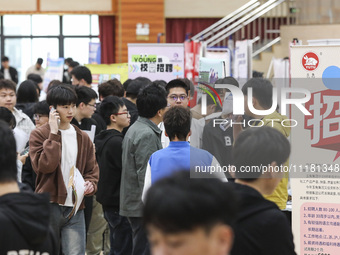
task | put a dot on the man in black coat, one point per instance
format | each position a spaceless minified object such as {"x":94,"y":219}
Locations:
{"x":109,"y":156}
{"x":24,"y":216}
{"x":9,"y":72}
{"x":261,"y":228}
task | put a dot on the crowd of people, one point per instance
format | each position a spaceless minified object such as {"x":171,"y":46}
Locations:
{"x":135,"y":149}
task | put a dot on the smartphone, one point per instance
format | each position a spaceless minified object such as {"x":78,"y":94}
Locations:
{"x":53,"y":109}
{"x":25,"y":151}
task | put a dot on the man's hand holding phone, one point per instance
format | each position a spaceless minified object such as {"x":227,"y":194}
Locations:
{"x":54,"y":121}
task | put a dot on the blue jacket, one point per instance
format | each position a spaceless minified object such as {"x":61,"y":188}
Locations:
{"x":179,"y":156}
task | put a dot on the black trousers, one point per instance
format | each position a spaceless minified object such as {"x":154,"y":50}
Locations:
{"x":139,"y":237}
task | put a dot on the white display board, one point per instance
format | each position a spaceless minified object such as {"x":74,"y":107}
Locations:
{"x":243,"y":60}
{"x":223,"y":54}
{"x":156,"y":61}
{"x":315,"y":142}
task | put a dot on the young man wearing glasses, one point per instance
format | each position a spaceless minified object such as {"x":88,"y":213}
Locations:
{"x":86,"y":106}
{"x":178,"y":95}
{"x":177,"y":92}
{"x":109,"y":156}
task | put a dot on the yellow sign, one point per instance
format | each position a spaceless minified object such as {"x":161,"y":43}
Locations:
{"x":102,"y":73}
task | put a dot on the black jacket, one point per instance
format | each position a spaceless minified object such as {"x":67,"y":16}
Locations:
{"x":24,"y":221}
{"x":218,"y":140}
{"x":109,"y":157}
{"x":12,"y":72}
{"x":261,"y":228}
{"x":97,"y":117}
{"x":86,"y":124}
{"x":28,"y":176}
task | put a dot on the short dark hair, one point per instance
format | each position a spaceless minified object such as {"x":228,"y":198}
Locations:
{"x":135,"y":86}
{"x":161,"y":82}
{"x":110,"y":105}
{"x":262,"y":91}
{"x":68,"y":60}
{"x":126,"y":83}
{"x":7,"y":116}
{"x":8,"y":154}
{"x":228,"y":80}
{"x":85,"y":94}
{"x":4,"y":59}
{"x":82,"y":72}
{"x":40,"y":61}
{"x":177,"y":122}
{"x":34,"y":77}
{"x":111,"y":88}
{"x":150,"y":100}
{"x":27,"y":92}
{"x":61,"y":95}
{"x":258,"y":147}
{"x":7,"y":84}
{"x":179,"y":203}
{"x":73,"y":64}
{"x":175,"y":84}
{"x":41,"y":107}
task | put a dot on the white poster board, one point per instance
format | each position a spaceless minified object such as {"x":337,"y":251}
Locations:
{"x":314,"y":161}
{"x":156,"y":61}
{"x":243,"y":60}
{"x":223,"y":54}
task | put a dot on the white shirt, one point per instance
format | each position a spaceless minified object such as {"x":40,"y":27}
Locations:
{"x":164,"y":139}
{"x":7,"y":76}
{"x":69,"y":151}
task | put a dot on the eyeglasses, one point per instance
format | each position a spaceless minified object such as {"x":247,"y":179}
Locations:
{"x":38,"y":116}
{"x":93,"y":105}
{"x":121,"y":113}
{"x":176,"y":97}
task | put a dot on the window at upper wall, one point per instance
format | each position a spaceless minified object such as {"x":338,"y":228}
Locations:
{"x":27,"y":37}
{"x":76,"y":25}
{"x":94,"y":25}
{"x":45,"y":25}
{"x":17,"y":25}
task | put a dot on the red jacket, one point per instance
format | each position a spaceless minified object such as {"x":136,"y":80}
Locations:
{"x":45,"y":153}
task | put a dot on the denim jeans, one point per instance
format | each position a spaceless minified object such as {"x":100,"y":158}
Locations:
{"x":120,"y":232}
{"x":140,"y":240}
{"x":70,"y":233}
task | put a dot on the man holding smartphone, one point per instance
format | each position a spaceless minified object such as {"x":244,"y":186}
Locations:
{"x":56,"y":149}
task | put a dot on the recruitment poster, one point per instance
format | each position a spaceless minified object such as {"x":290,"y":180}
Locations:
{"x":156,"y":61}
{"x":102,"y":73}
{"x":243,"y":60}
{"x":223,"y":54}
{"x":211,"y":70}
{"x":315,"y":140}
{"x":54,"y":71}
{"x":94,"y":53}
